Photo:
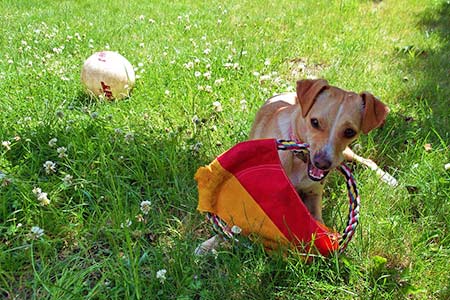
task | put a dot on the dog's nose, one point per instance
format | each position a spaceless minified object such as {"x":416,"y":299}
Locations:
{"x":321,"y":161}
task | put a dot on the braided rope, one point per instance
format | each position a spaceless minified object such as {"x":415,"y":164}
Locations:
{"x":223,"y":229}
{"x":354,"y":205}
{"x":219,"y":226}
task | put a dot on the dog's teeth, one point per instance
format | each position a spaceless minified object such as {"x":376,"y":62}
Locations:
{"x":311,"y":173}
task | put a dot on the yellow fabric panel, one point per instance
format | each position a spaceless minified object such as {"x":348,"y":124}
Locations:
{"x":221,"y":193}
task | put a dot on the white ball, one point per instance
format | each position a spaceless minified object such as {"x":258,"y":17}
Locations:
{"x":108,"y":74}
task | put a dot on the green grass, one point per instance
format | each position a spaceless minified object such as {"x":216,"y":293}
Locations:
{"x":149,"y":146}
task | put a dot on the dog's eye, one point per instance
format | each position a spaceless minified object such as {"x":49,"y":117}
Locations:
{"x":349,"y":133}
{"x":315,"y":123}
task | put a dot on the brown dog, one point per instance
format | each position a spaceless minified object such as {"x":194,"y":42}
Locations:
{"x":328,"y":119}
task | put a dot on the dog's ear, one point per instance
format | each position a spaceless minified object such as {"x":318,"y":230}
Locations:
{"x":307,"y":91}
{"x":374,"y":112}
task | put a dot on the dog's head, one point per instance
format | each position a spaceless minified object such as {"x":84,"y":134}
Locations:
{"x":331,"y":119}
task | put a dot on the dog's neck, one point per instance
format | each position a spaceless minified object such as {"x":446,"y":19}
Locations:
{"x":293,"y":136}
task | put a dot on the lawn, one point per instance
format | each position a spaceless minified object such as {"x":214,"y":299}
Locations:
{"x":98,"y":200}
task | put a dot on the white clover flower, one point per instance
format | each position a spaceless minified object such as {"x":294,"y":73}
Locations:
{"x":36,"y":232}
{"x":267,"y":62}
{"x":52,"y":142}
{"x":236,"y":229}
{"x":49,"y":167}
{"x":68,"y":179}
{"x":7,"y":145}
{"x":243,"y":104}
{"x":228,"y":65}
{"x":219,"y":81}
{"x":208,"y":89}
{"x":145,"y":207}
{"x":217,"y":106}
{"x":126,"y":224}
{"x":57,"y":50}
{"x":43,"y":199}
{"x":142,"y":17}
{"x":207,"y":75}
{"x":161,"y":275}
{"x":151,"y":21}
{"x":206,"y":51}
{"x":197,"y":74}
{"x":62,"y":152}
{"x":189,"y":65}
{"x":167,"y":92}
{"x":264,"y":78}
{"x":139,"y":218}
{"x":37,"y":191}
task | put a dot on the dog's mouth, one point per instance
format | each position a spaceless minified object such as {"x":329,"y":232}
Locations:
{"x":316,"y":174}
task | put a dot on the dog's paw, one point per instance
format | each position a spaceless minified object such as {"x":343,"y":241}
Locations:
{"x":207,"y":246}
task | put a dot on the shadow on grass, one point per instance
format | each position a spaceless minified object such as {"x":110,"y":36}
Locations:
{"x":432,"y":69}
{"x":426,"y":99}
{"x":427,"y":96}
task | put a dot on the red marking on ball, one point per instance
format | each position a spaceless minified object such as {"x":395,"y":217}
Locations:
{"x":102,"y":56}
{"x":107,"y":90}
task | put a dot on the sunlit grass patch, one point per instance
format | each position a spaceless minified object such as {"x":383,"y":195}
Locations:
{"x":97,"y":198}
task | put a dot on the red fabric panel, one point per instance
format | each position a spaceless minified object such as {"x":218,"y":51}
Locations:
{"x":249,"y":154}
{"x":257,"y":166}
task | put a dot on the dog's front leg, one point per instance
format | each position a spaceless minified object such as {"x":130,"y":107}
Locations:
{"x":312,"y":198}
